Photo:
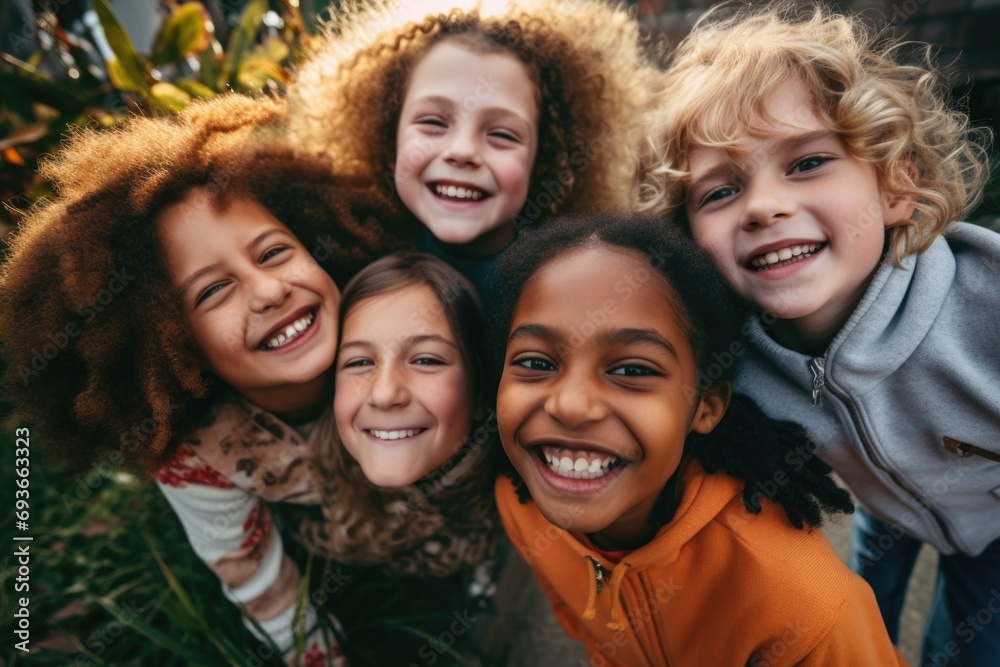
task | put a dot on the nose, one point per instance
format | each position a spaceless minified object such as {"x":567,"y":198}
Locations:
{"x":388,"y":390}
{"x":574,"y":401}
{"x":267,"y":291}
{"x":461,"y":149}
{"x":766,"y":202}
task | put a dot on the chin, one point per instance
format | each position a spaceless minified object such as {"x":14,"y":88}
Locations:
{"x":566,"y":519}
{"x":452,"y":236}
{"x":389,"y":479}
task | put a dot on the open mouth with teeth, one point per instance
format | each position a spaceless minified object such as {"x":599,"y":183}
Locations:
{"x":291,"y":332}
{"x":785,"y":256}
{"x":573,"y":464}
{"x":394,"y":435}
{"x":457,"y":192}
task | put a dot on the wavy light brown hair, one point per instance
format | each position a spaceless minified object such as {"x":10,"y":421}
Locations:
{"x":447,"y":520}
{"x":586,"y":57}
{"x":888,"y":101}
{"x":98,"y":354}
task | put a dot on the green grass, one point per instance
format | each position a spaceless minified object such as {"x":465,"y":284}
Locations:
{"x":114,"y":582}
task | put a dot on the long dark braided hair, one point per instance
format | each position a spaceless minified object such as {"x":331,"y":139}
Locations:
{"x":775,"y":459}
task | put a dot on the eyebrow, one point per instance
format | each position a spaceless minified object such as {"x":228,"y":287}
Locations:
{"x":532,"y":330}
{"x":720,"y":171}
{"x":624,"y":337}
{"x":405,"y":340}
{"x":260,"y":238}
{"x":723,"y":169}
{"x":617,"y":337}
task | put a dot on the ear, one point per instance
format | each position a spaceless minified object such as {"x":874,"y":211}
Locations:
{"x":711,"y":407}
{"x":899,"y":208}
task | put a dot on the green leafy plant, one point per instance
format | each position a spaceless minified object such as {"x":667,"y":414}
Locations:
{"x":188,"y":62}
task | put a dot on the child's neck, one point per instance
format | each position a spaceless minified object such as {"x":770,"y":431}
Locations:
{"x":626,"y":534}
{"x":481,"y":247}
{"x":805,"y":338}
{"x":295,"y":403}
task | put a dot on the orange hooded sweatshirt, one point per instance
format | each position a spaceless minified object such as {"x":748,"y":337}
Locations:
{"x":716,"y":587}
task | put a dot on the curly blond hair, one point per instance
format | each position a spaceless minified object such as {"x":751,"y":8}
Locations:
{"x":586,"y":57}
{"x":892,"y":113}
{"x":98,"y":353}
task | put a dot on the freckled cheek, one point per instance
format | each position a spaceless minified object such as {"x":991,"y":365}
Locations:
{"x":349,"y":394}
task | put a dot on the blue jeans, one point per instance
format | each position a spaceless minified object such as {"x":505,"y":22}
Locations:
{"x":963,"y":624}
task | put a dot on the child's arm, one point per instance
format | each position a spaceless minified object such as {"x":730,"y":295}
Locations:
{"x":232,"y":532}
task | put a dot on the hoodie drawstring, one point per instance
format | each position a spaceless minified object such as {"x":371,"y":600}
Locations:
{"x":617,"y":610}
{"x":597,"y":585}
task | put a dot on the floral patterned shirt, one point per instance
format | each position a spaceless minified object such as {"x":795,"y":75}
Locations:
{"x":218,"y":481}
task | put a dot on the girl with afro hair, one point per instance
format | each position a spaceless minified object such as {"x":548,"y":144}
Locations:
{"x":481,"y":121}
{"x":167,"y":309}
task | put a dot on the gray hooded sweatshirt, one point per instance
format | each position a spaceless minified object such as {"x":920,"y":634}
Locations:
{"x":905,"y":404}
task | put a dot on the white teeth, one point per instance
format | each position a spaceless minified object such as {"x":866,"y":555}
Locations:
{"x":291,"y":332}
{"x":458,"y":192}
{"x":784,"y":254}
{"x":395,"y":435}
{"x":580,"y":467}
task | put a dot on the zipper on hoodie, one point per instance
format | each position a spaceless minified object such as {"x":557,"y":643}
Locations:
{"x":818,"y":366}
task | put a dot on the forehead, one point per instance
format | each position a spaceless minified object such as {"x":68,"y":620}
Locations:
{"x":789,"y":113}
{"x":414,"y":309}
{"x":193,"y":227}
{"x":473,"y":77}
{"x":601,"y":287}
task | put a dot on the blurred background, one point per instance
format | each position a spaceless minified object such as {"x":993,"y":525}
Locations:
{"x":113,"y":581}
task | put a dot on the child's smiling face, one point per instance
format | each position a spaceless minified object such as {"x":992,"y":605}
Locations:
{"x":466,"y":144}
{"x":262,"y":311}
{"x":795,"y":221}
{"x":594,"y":409}
{"x":404,"y":397}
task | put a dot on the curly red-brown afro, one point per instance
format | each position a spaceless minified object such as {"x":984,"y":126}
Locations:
{"x":98,"y":354}
{"x":586,"y":57}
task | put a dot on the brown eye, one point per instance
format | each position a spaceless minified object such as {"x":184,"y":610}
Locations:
{"x":208,"y":292}
{"x":271,"y":253}
{"x":535,"y":364}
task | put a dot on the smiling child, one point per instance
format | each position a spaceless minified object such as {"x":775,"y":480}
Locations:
{"x":669,"y":522}
{"x":407,"y":486}
{"x":210,"y":366}
{"x":827,"y":193}
{"x":481,"y":123}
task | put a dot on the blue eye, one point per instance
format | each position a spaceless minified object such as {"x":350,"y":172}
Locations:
{"x":535,"y":364}
{"x":719,"y":194}
{"x":809,"y":163}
